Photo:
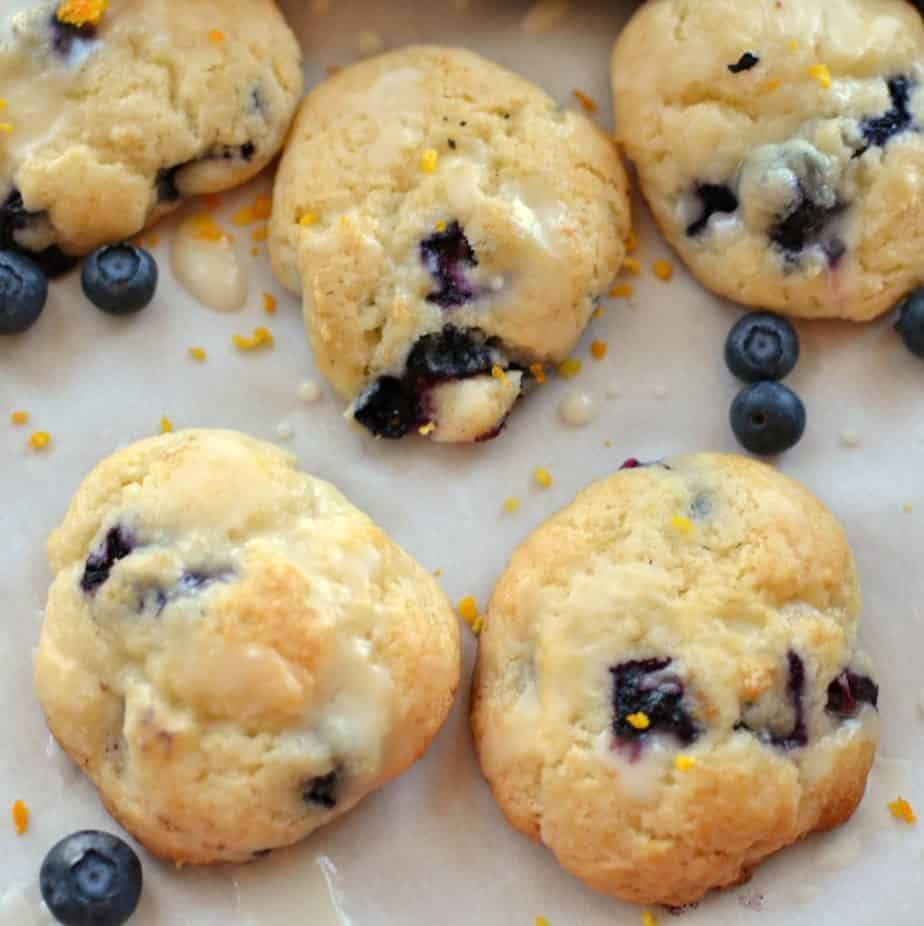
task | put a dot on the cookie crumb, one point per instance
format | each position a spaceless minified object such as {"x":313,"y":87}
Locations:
{"x":269,"y":303}
{"x":588,"y":104}
{"x":663,"y":270}
{"x":543,"y":477}
{"x":570,"y":368}
{"x":429,"y":160}
{"x":598,"y":349}
{"x":621,"y":291}
{"x":166,"y":425}
{"x":821,"y":73}
{"x":639,"y":721}
{"x":81,"y":12}
{"x":309,"y":391}
{"x":197,"y":354}
{"x":20,"y":813}
{"x":512,"y":505}
{"x":284,"y":430}
{"x":468,"y":611}
{"x":40,"y":440}
{"x":684,"y":763}
{"x":901,"y":810}
{"x":538,"y":371}
{"x":19,"y":419}
{"x":848,"y":437}
{"x":261,"y":337}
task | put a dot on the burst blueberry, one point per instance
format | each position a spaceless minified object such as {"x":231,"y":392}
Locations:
{"x":120,"y":279}
{"x":879,"y":130}
{"x":23,"y":292}
{"x":797,"y":735}
{"x":768,"y":418}
{"x":389,"y":408}
{"x":715,"y":198}
{"x":762,"y":346}
{"x":447,"y":254}
{"x":849,"y":692}
{"x":646,"y":688}
{"x":116,"y":546}
{"x":910,"y":323}
{"x":322,"y":791}
{"x":451,"y":353}
{"x":91,"y":879}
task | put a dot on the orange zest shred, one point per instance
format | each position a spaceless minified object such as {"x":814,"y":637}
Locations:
{"x":512,"y":505}
{"x":40,"y":440}
{"x":570,"y":368}
{"x":205,"y":228}
{"x":166,"y":425}
{"x":198,"y":354}
{"x":588,"y":104}
{"x":773,"y":84}
{"x":308,"y":219}
{"x":632,"y":265}
{"x":648,"y":918}
{"x":821,"y":73}
{"x":500,"y":375}
{"x":19,"y":418}
{"x":663,"y":270}
{"x":632,"y":242}
{"x":541,"y":921}
{"x":598,"y":349}
{"x":262,"y":207}
{"x":260,"y":234}
{"x":621,"y":291}
{"x":639,"y":721}
{"x":81,"y":12}
{"x":20,"y":813}
{"x":468,"y":611}
{"x":254,"y":252}
{"x":543,"y":477}
{"x":261,"y":337}
{"x":212,"y":202}
{"x":684,"y":763}
{"x":269,"y":303}
{"x":429,"y":160}
{"x":901,"y":810}
{"x":538,"y":371}
{"x":216,"y":36}
{"x":6,"y":127}
{"x":681,"y":524}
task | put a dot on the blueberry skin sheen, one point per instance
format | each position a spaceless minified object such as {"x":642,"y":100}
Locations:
{"x":120,"y":279}
{"x":910,"y":323}
{"x":91,"y":879}
{"x":768,"y":418}
{"x":762,"y":346}
{"x":23,"y":292}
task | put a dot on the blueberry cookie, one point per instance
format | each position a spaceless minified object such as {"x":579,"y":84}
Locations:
{"x":113,"y":113}
{"x":448,"y":227}
{"x":779,"y":146}
{"x":669,"y":686}
{"x":232,"y":652}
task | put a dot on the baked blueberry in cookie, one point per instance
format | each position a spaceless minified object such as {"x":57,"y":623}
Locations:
{"x":654,"y":683}
{"x":800,"y":144}
{"x":464,"y":241}
{"x":218,"y":616}
{"x":119,"y":111}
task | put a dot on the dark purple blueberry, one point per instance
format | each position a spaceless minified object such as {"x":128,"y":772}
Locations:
{"x":14,"y":217}
{"x":451,"y":353}
{"x":762,"y":346}
{"x":878,"y":130}
{"x":768,"y":418}
{"x":797,"y":737}
{"x":848,"y":692}
{"x":446,"y":254}
{"x":744,"y":63}
{"x":910,"y":324}
{"x":23,"y":292}
{"x":117,"y":545}
{"x":389,"y":408}
{"x":120,"y":279}
{"x":65,"y":36}
{"x":91,"y":879}
{"x":646,"y":687}
{"x":716,"y":198}
{"x":805,"y":224}
{"x":633,"y":463}
{"x":322,"y":791}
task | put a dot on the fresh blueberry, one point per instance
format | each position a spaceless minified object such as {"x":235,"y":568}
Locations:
{"x":848,"y":691}
{"x":446,"y":254}
{"x":762,"y":346}
{"x":23,"y":292}
{"x":322,"y":790}
{"x":768,"y":418}
{"x":797,"y":736}
{"x":120,"y":279}
{"x":452,"y":353}
{"x":880,"y":129}
{"x":117,"y":545}
{"x":715,"y":198}
{"x":910,"y":323}
{"x":389,"y":408}
{"x":91,"y":879}
{"x":646,"y":687}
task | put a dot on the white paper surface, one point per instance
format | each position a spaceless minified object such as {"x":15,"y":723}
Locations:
{"x":433,"y":848}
